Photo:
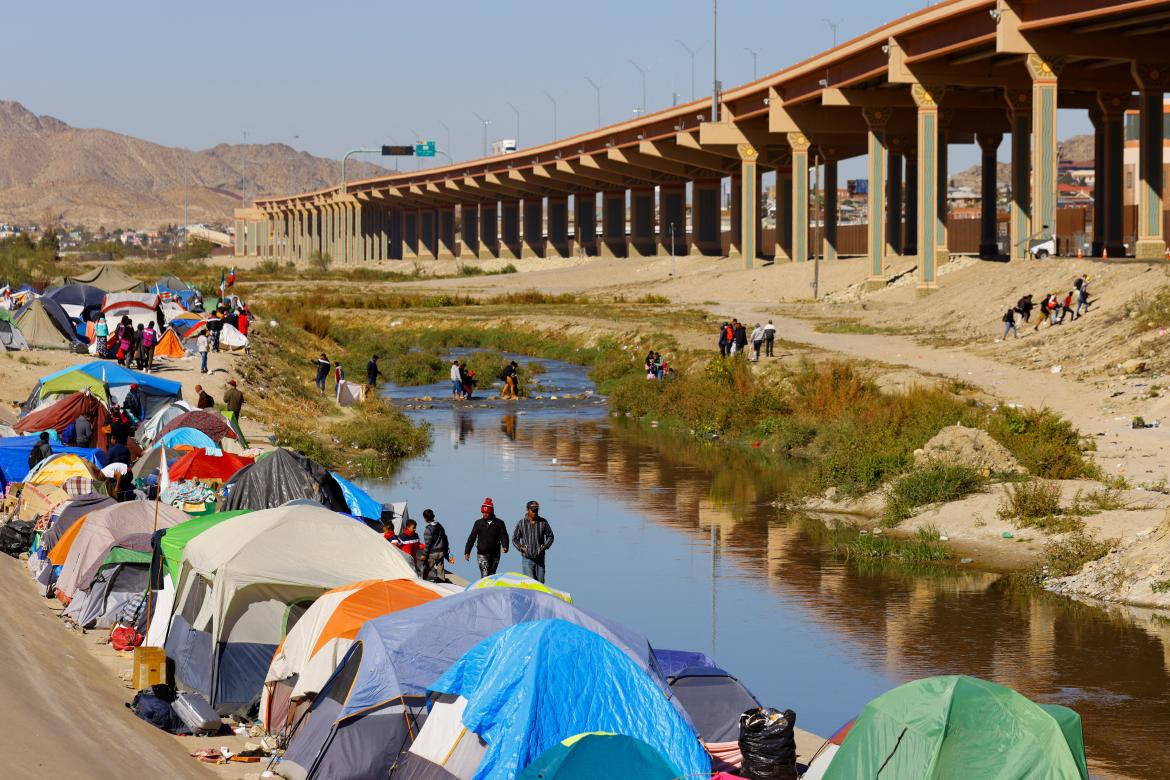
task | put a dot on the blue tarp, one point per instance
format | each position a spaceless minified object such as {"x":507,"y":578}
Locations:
{"x":191,"y":438}
{"x":534,"y":684}
{"x":116,"y":376}
{"x":360,"y":503}
{"x":14,"y":451}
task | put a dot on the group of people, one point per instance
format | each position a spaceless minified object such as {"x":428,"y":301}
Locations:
{"x":132,"y":346}
{"x":532,"y":537}
{"x":234,"y":313}
{"x":463,"y":381}
{"x":656,"y":367}
{"x":1053,"y":308}
{"x":734,"y":339}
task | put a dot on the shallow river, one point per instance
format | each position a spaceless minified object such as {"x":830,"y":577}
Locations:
{"x":676,"y":540}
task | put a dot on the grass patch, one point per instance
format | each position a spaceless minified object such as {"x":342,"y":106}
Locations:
{"x":382,"y":428}
{"x":858,"y":327}
{"x":1044,"y":442}
{"x":847,"y":541}
{"x":1035,"y":503}
{"x":933,"y":483}
{"x":1094,"y":502}
{"x":1160,"y":586}
{"x":416,"y":368}
{"x":1067,"y":556}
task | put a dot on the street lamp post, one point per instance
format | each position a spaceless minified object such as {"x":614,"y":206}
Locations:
{"x":833,"y":28}
{"x":597,"y":89}
{"x":485,"y":124}
{"x":448,"y":129}
{"x":714,"y":60}
{"x":755,"y":58}
{"x":643,"y":72}
{"x":691,"y":52}
{"x":517,"y":112}
{"x":553,"y":100}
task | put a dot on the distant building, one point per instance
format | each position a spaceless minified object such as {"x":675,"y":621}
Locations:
{"x":1130,"y":154}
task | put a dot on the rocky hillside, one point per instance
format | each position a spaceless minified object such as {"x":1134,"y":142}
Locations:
{"x":101,"y":178}
{"x":1078,"y":147}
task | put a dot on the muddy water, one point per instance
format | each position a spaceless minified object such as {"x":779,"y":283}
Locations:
{"x":679,"y":541}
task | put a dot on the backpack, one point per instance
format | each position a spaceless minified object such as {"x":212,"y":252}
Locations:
{"x":148,"y":338}
{"x":69,"y":435}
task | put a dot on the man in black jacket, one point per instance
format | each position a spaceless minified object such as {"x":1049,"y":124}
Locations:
{"x":533,"y":535}
{"x":436,"y":548}
{"x":41,"y":450}
{"x":490,"y":537}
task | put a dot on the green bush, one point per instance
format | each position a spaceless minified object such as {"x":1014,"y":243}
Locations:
{"x":1067,"y":556}
{"x":320,"y":261}
{"x":416,"y":368}
{"x":381,"y":427}
{"x":933,"y":483}
{"x":1035,"y":503}
{"x":1044,"y":442}
{"x":194,"y":249}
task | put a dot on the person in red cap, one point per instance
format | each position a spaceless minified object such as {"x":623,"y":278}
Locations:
{"x":489,"y":535}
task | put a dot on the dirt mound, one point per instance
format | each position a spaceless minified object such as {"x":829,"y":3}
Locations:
{"x":1137,"y":572}
{"x":958,"y":445}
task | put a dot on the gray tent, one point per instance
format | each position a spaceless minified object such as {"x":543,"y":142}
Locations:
{"x":366,"y":714}
{"x":120,"y":578}
{"x":45,"y":325}
{"x":714,"y":700}
{"x":11,"y":339}
{"x":279,"y":478}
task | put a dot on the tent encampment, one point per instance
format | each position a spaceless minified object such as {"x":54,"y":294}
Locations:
{"x":79,"y":301}
{"x":45,"y":325}
{"x":519,"y":692}
{"x":362,"y":717}
{"x":212,"y":423}
{"x":154,"y":390}
{"x":281,"y":477}
{"x":599,"y":754}
{"x":61,"y":466}
{"x":58,"y":415}
{"x":246,"y":581}
{"x":960,"y":726}
{"x":109,"y":584}
{"x":14,"y":452}
{"x":315,"y":646}
{"x":11,"y":339}
{"x":108,"y":278}
{"x":148,"y":430}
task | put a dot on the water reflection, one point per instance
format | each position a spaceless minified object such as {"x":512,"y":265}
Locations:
{"x":680,"y":540}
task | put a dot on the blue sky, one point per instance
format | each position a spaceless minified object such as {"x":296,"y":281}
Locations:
{"x":330,"y":76}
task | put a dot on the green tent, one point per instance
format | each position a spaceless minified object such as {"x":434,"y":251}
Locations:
{"x":959,"y":726}
{"x":174,"y":541}
{"x":73,"y":381}
{"x":599,"y":754}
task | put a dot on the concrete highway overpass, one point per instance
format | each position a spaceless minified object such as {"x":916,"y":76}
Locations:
{"x":956,"y":72}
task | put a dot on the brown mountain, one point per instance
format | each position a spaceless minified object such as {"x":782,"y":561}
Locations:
{"x":1077,"y":147}
{"x":100,"y":178}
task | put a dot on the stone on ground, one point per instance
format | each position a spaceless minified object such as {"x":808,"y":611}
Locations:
{"x":957,"y":445}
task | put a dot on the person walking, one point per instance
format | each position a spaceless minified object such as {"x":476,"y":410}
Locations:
{"x":202,"y":346}
{"x":41,"y":450}
{"x":724,"y":341}
{"x":149,"y":340}
{"x":373,"y":372}
{"x":489,"y":536}
{"x":1043,"y":315}
{"x":1081,"y":286}
{"x":338,"y":378}
{"x":101,"y":335}
{"x":233,"y":399}
{"x":436,"y":548}
{"x":214,"y":327}
{"x":769,"y":338}
{"x":509,"y":377}
{"x":757,"y":341}
{"x":1009,"y":323}
{"x":741,"y":337}
{"x":1024,"y":306}
{"x":1066,"y":306}
{"x":456,"y":381}
{"x":323,"y":365}
{"x":532,"y":537}
{"x":204,"y":399}
{"x":407,"y":540}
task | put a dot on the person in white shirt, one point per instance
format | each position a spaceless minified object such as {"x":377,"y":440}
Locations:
{"x":456,"y":382}
{"x":202,"y":345}
{"x":757,"y":341}
{"x":769,"y":338}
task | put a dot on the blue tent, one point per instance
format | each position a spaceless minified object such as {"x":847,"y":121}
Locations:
{"x":360,"y":503}
{"x":671,"y":662}
{"x":189,"y":437}
{"x":361,"y":718}
{"x":14,"y":452}
{"x":154,"y":390}
{"x":534,"y":684}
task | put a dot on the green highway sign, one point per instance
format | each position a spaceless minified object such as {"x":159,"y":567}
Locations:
{"x":424,"y":149}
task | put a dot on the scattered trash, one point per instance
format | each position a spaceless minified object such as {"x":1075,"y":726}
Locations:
{"x":966,"y":560}
{"x":1008,"y":535}
{"x":942,"y":538}
{"x":1056,"y":369}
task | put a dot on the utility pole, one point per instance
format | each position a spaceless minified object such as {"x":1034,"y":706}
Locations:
{"x":714,"y":60}
{"x":833,"y":28}
{"x":597,"y":89}
{"x":448,"y":129}
{"x":691,"y":52}
{"x":517,"y":111}
{"x":553,"y":100}
{"x":243,"y":180}
{"x":755,"y":58}
{"x":643,"y":72}
{"x":818,"y":209}
{"x":485,"y":123}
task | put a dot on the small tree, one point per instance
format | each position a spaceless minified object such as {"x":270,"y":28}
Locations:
{"x":320,"y":261}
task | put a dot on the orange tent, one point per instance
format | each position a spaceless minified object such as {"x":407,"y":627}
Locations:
{"x":61,"y":549}
{"x":169,"y":346}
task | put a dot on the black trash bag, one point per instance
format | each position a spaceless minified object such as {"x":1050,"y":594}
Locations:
{"x":768,"y":743}
{"x":16,"y":537}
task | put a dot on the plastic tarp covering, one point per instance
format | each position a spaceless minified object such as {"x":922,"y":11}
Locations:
{"x":106,"y":278}
{"x":14,"y":451}
{"x":360,"y":503}
{"x":534,"y":684}
{"x":281,"y":477}
{"x":959,"y":726}
{"x":44,"y":324}
{"x":11,"y":339}
{"x":58,"y":415}
{"x":155,"y":390}
{"x":214,"y":424}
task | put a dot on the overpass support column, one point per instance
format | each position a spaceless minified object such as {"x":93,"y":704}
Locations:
{"x":894,"y":198}
{"x":942,"y":252}
{"x":383,"y":232}
{"x":585,"y":222}
{"x":428,"y":228}
{"x":613,"y":223}
{"x":296,"y":235}
{"x":705,"y":222}
{"x":1044,"y":73}
{"x":783,"y":243}
{"x":1152,"y":83}
{"x":1110,"y":188}
{"x":642,"y":243}
{"x":799,"y":144}
{"x":876,"y":120}
{"x":989,"y":192}
{"x":558,"y":226}
{"x":672,"y":219}
{"x":910,"y":193}
{"x":469,"y":222}
{"x":1097,"y":118}
{"x":316,"y":236}
{"x":341,"y":233}
{"x":510,"y":227}
{"x":329,"y":223}
{"x":410,"y":233}
{"x":829,"y":245}
{"x":394,"y":233}
{"x":446,"y":231}
{"x":489,"y":230}
{"x":927,"y":183}
{"x":1020,"y":117}
{"x":533,"y":244}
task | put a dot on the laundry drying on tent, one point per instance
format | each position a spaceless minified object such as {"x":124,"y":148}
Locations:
{"x":281,"y":477}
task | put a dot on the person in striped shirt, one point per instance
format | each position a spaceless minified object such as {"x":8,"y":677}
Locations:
{"x":532,"y":537}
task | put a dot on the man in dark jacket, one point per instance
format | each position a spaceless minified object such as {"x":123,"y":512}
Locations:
{"x":533,"y":535}
{"x":489,"y":535}
{"x":41,"y":450}
{"x":373,"y":372}
{"x":205,"y":401}
{"x":436,"y":548}
{"x":741,"y":338}
{"x":83,"y":431}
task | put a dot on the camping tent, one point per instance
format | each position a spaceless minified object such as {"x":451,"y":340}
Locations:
{"x":199,"y":464}
{"x":673,"y":662}
{"x":152,"y":459}
{"x":187,"y":437}
{"x":247,"y":580}
{"x":959,"y":726}
{"x":148,"y":430}
{"x":231,"y":338}
{"x":79,"y":301}
{"x":714,"y":700}
{"x":513,"y":580}
{"x":105,"y":526}
{"x":599,"y":754}
{"x":212,"y":423}
{"x":359,"y":502}
{"x":108,"y":278}
{"x":61,"y":519}
{"x":14,"y":452}
{"x":361,"y":718}
{"x":118,"y":301}
{"x":62,"y":385}
{"x":45,"y":325}
{"x":11,"y":339}
{"x":316,"y":644}
{"x":519,"y":692}
{"x":169,"y":346}
{"x":154,"y":390}
{"x":110,"y":583}
{"x":58,"y":415}
{"x":281,"y":477}
{"x":61,"y":466}
{"x":824,"y":756}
